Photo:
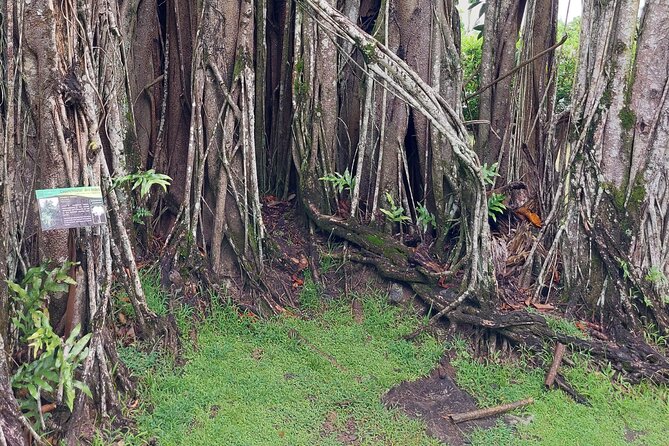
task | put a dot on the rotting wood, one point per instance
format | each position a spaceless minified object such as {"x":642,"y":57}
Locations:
{"x":487,"y":412}
{"x":558,"y":353}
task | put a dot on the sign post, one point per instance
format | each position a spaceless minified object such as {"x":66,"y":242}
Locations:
{"x":71,"y":208}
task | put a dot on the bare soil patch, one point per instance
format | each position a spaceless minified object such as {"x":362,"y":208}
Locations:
{"x":429,"y":398}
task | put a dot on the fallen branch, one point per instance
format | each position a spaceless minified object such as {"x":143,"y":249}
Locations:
{"x":558,"y":353}
{"x":562,"y":383}
{"x":488,"y":412}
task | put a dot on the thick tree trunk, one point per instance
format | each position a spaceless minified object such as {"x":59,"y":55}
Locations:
{"x":465,"y":172}
{"x":613,"y":208}
{"x":526,"y":155}
{"x":65,"y":124}
{"x":502,"y":24}
{"x":648,"y":178}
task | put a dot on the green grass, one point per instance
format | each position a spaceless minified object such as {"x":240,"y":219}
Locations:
{"x":250,"y":383}
{"x":560,"y":324}
{"x":641,"y":412}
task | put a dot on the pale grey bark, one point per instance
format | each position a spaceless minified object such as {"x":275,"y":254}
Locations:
{"x":649,"y":166}
{"x":404,"y":82}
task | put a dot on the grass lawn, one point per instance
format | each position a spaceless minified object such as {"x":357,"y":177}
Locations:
{"x":621,"y":414}
{"x":249,"y":382}
{"x":252,"y":383}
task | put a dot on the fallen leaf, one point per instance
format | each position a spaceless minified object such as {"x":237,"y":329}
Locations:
{"x":443,"y":282}
{"x":122,"y":319}
{"x":297,"y":282}
{"x":529,"y":215}
{"x":543,"y":307}
{"x":131,"y":333}
{"x":46,"y":408}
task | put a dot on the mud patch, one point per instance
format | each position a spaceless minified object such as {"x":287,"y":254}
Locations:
{"x":632,"y":435}
{"x":429,"y":398}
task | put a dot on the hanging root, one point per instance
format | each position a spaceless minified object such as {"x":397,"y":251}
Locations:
{"x":106,"y":377}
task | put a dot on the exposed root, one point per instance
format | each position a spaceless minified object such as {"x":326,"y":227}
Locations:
{"x":632,"y":357}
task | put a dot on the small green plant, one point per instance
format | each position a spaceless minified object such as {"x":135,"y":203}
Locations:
{"x":496,"y":205}
{"x":395,"y":213}
{"x":625,"y":267}
{"x":54,"y":360}
{"x":653,"y":336}
{"x":30,"y":294}
{"x":425,"y":218}
{"x":144,"y":181}
{"x":53,"y":370}
{"x":140,"y":214}
{"x":489,"y":173}
{"x":340,"y":182}
{"x":655,"y":275}
{"x":328,"y":259}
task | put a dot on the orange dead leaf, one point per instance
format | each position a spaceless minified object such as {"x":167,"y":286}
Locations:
{"x":297,"y":282}
{"x":46,"y":408}
{"x":529,"y":216}
{"x":581,"y":326}
{"x":542,"y":307}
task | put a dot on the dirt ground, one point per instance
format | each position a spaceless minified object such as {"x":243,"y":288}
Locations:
{"x":434,"y":396}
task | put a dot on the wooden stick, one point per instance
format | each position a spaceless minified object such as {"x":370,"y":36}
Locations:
{"x":488,"y":412}
{"x":558,"y":353}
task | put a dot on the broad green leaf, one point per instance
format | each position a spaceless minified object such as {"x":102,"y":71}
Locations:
{"x":80,"y":345}
{"x":32,"y":390}
{"x":83,"y":387}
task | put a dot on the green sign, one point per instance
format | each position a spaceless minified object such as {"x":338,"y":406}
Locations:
{"x":73,"y":207}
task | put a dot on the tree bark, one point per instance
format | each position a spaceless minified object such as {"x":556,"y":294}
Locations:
{"x":498,"y":56}
{"x":605,"y":266}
